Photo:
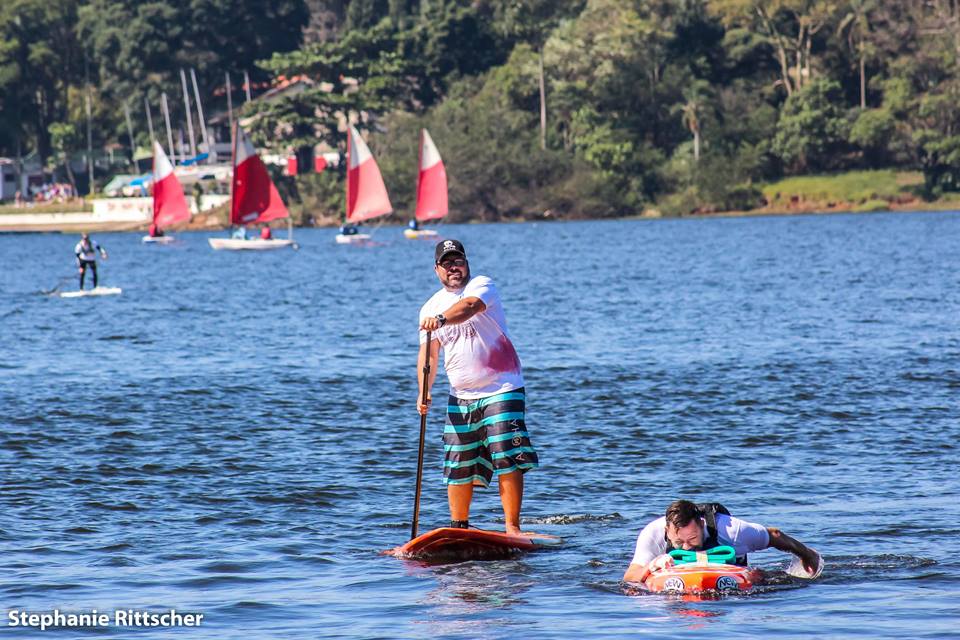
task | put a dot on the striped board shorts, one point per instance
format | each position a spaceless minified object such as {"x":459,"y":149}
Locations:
{"x":486,"y":437}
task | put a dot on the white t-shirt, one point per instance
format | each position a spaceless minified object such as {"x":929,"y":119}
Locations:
{"x":478,"y":354}
{"x":745,"y":537}
{"x":88,"y":253}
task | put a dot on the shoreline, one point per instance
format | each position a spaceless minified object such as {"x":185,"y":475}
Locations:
{"x":912,"y":207}
{"x":213,"y":222}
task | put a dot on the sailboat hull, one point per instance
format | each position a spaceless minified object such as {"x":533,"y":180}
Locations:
{"x":420,"y":234}
{"x":356,"y":238}
{"x":253,"y":244}
{"x":157,"y":239}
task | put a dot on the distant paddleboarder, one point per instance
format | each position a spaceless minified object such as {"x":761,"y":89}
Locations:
{"x":701,"y":527}
{"x":86,"y":252}
{"x":485,"y":433}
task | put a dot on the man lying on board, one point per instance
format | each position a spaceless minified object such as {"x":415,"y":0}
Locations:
{"x":700,"y":527}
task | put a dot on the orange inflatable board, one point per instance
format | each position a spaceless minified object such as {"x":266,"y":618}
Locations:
{"x":470,"y":544}
{"x":699,"y":577}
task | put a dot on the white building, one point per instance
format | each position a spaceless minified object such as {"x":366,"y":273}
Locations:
{"x":32,"y":174}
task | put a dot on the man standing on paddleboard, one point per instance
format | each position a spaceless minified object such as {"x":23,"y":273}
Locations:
{"x":485,"y":433}
{"x":86,"y":252}
{"x":701,"y":527}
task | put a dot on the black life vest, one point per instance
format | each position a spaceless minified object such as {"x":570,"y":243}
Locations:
{"x":708,"y":511}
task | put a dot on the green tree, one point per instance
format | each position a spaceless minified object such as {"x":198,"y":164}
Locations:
{"x":140,"y":47}
{"x":813,"y":129}
{"x":364,"y":14}
{"x":65,"y":139}
{"x":873,"y":131}
{"x":39,"y":55}
{"x":495,"y":167}
{"x":361,"y":74}
{"x":787,"y":26}
{"x":938,"y":138}
{"x":376,"y":70}
{"x":531,"y":21}
{"x":940,"y":157}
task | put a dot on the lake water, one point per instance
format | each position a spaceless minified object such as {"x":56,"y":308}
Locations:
{"x":235,"y":435}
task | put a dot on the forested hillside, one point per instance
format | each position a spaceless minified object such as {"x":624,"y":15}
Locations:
{"x":574,"y":107}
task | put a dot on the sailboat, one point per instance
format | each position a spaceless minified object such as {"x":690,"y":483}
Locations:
{"x":254,"y":200}
{"x":366,"y":194}
{"x":431,"y":188}
{"x":169,"y":205}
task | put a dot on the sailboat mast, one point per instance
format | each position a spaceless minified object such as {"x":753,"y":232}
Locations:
{"x":346,"y":215}
{"x":416,"y":205}
{"x":133,"y":146}
{"x":186,"y":105}
{"x":233,"y":170}
{"x":203,"y":123}
{"x":166,"y":116}
{"x":230,"y":107}
{"x":146,"y":105}
{"x":153,"y":179}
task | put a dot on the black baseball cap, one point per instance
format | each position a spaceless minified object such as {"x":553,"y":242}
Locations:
{"x":448,"y":246}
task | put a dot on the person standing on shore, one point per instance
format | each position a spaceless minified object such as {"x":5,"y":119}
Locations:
{"x":485,"y":433}
{"x":86,"y":252}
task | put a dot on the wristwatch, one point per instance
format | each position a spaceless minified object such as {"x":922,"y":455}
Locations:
{"x":441,"y":318}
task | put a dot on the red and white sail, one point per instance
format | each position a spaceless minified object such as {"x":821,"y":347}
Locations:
{"x":366,"y":194}
{"x":169,"y":205}
{"x":255,"y":197}
{"x":431,"y":182}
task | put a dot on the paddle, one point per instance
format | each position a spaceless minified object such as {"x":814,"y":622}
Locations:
{"x":423,"y":434}
{"x":59,"y":286}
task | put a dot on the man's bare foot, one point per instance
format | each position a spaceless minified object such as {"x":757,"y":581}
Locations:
{"x":515,"y":531}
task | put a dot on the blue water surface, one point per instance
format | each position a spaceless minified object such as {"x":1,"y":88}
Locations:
{"x":236,"y":433}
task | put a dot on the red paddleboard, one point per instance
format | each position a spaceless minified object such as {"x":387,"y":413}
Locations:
{"x":470,"y":544}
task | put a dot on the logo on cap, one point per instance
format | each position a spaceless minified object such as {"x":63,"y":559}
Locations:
{"x":447,"y":246}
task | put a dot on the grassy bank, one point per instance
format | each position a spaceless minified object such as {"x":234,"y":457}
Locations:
{"x":853,"y":191}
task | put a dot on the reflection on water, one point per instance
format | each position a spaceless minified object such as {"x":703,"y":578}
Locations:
{"x":695,"y":619}
{"x":472,"y":597}
{"x":476,"y":587}
{"x":696,"y":613}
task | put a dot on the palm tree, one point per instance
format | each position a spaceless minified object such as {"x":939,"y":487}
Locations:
{"x":857,"y":25}
{"x":695,"y":96}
